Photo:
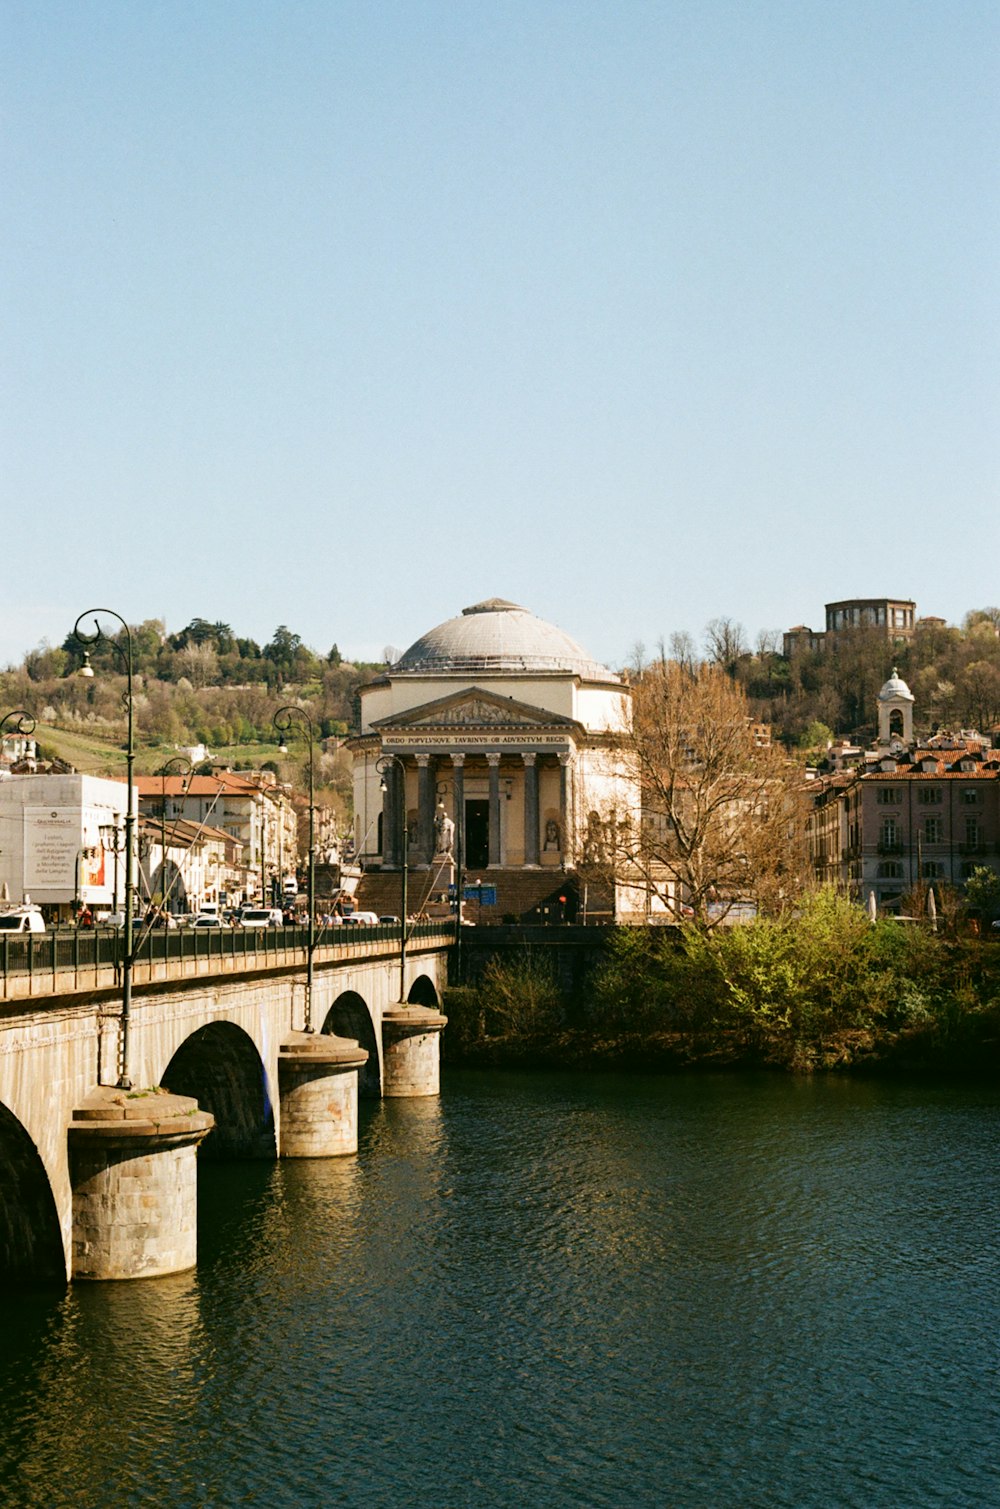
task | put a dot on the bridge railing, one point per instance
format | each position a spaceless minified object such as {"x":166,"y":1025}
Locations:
{"x":90,"y":949}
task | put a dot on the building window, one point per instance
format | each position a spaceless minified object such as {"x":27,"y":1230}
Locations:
{"x":889,"y":832}
{"x":970,"y":796}
{"x":890,"y":869}
{"x":933,"y":870}
{"x":929,"y":796}
{"x":888,"y":796}
{"x":933,"y":830}
{"x":972,"y":830}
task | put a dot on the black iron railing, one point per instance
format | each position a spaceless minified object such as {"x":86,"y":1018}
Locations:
{"x":72,"y":950}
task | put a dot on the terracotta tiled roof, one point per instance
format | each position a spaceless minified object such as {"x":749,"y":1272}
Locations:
{"x":196,"y":785}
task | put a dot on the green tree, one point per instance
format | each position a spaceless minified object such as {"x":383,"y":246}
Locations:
{"x":982,"y":893}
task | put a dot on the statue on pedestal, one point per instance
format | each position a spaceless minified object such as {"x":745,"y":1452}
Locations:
{"x":444,"y":832}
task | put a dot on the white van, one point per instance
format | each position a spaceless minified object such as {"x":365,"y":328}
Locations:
{"x":22,"y":919}
{"x":361,"y":919}
{"x":261,"y":916}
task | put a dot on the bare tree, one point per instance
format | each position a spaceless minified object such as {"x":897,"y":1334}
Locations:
{"x":721,"y":808}
{"x":684,"y":650}
{"x":725,"y":642}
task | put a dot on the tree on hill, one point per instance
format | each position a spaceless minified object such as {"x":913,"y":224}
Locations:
{"x":722,"y":811}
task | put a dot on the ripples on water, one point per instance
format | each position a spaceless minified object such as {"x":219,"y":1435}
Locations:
{"x":551,"y":1290}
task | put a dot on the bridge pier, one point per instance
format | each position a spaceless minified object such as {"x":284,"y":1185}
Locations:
{"x":134,"y":1175}
{"x":318,"y":1086}
{"x":411,"y":1051}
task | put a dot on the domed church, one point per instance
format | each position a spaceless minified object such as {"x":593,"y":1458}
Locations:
{"x":483,"y":753}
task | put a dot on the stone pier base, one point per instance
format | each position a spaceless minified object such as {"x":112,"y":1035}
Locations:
{"x":411,"y":1050}
{"x":133,"y":1167}
{"x":318,"y":1085}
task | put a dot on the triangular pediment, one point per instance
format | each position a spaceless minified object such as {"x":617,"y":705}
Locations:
{"x":475,"y":708}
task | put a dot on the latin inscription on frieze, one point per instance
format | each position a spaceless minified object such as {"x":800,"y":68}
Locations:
{"x":527,"y":739}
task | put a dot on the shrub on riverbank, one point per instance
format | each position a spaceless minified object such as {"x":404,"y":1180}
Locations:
{"x":818,"y":988}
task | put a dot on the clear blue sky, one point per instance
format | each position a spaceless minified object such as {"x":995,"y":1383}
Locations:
{"x":346,"y":315}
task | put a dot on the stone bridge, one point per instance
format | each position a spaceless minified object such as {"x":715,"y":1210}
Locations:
{"x":100,"y":1182}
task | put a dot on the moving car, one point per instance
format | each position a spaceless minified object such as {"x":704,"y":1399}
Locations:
{"x":22,"y":919}
{"x":261,"y":916}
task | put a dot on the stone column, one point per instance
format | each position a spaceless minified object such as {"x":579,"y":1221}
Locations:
{"x":134,"y":1174}
{"x":493,"y":761}
{"x":530,"y":808}
{"x":390,"y":819}
{"x":318,"y":1086}
{"x":411,"y":1051}
{"x":566,"y":808}
{"x":425,"y":809}
{"x":458,"y":815}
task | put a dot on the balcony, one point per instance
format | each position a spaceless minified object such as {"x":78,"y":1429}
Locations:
{"x":896,"y":846}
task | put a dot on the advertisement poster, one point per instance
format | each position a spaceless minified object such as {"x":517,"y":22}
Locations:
{"x":55,"y":855}
{"x":51,"y":844}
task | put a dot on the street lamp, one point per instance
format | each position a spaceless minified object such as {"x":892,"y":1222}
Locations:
{"x":179,"y":765}
{"x":87,"y":670}
{"x":283,"y":720}
{"x":382,"y":765}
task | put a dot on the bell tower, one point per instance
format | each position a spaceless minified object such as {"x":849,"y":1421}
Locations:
{"x":895,"y":712}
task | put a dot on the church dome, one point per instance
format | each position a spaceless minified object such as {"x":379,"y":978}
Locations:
{"x":895,"y":687}
{"x":498,"y":636}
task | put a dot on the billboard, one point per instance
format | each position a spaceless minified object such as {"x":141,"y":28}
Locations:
{"x":53,"y":849}
{"x":51,"y":844}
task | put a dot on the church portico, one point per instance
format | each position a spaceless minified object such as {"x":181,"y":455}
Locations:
{"x":482,"y":748}
{"x":507,"y":807}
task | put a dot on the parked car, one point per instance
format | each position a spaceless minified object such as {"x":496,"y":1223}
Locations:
{"x":361,"y":919}
{"x":215,"y":922}
{"x":389,"y":921}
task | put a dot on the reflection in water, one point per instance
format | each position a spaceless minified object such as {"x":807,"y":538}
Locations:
{"x":551,"y":1290}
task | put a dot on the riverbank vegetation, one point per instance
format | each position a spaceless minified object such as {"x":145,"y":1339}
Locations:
{"x":821,"y":988}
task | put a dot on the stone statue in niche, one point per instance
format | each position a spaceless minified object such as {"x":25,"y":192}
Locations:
{"x":552,"y":844}
{"x":594,"y":847}
{"x":444,"y":831}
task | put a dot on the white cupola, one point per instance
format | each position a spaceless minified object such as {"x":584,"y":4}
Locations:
{"x":895,"y":712}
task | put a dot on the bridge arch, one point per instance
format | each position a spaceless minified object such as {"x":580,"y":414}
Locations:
{"x":31,"y":1246}
{"x":349,"y":1016}
{"x":219,"y":1065}
{"x":423,"y":993}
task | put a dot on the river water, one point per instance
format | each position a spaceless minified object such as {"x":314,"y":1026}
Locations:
{"x":550,"y":1290}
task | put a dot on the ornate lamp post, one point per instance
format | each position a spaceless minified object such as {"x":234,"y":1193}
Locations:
{"x":283,"y":720}
{"x":179,"y":765}
{"x":111,"y":843}
{"x":20,"y":723}
{"x":87,"y":670}
{"x":382,"y":765}
{"x":16,"y":722}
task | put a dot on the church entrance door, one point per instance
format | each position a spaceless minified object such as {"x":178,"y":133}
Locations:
{"x":477,"y":835}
